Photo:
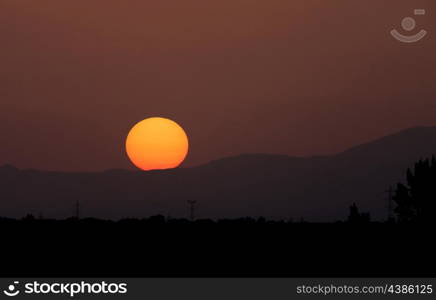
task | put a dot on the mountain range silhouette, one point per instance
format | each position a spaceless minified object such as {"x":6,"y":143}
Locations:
{"x":318,"y":189}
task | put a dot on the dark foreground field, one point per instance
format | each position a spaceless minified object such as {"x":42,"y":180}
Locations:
{"x":229,"y":248}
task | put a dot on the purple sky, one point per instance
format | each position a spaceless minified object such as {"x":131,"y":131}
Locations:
{"x":297,"y":77}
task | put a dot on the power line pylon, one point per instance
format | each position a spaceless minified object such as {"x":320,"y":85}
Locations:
{"x":390,"y":193}
{"x":77,"y":210}
{"x":192,"y":209}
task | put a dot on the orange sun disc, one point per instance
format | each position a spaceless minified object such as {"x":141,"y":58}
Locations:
{"x":157,"y":143}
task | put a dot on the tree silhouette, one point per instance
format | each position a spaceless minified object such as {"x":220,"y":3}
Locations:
{"x":416,"y":201}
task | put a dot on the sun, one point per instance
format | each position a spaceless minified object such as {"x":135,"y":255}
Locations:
{"x":157,"y":143}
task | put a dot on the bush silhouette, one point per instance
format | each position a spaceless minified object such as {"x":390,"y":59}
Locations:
{"x":357,"y":217}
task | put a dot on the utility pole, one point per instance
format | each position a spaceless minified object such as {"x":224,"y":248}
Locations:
{"x":192,"y":209}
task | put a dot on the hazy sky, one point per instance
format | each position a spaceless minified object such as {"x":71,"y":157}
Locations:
{"x":297,"y":77}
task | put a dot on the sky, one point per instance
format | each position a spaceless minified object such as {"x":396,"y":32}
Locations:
{"x":296,"y":77}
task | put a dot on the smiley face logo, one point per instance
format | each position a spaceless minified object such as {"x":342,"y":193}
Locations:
{"x":12,"y":290}
{"x":409,"y":24}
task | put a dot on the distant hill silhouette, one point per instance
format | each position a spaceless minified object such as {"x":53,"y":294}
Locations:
{"x":275,"y":186}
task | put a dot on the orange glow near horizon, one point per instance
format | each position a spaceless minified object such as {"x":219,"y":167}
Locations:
{"x":157,"y":143}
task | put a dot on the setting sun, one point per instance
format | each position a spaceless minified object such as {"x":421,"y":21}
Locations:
{"x":157,"y":143}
